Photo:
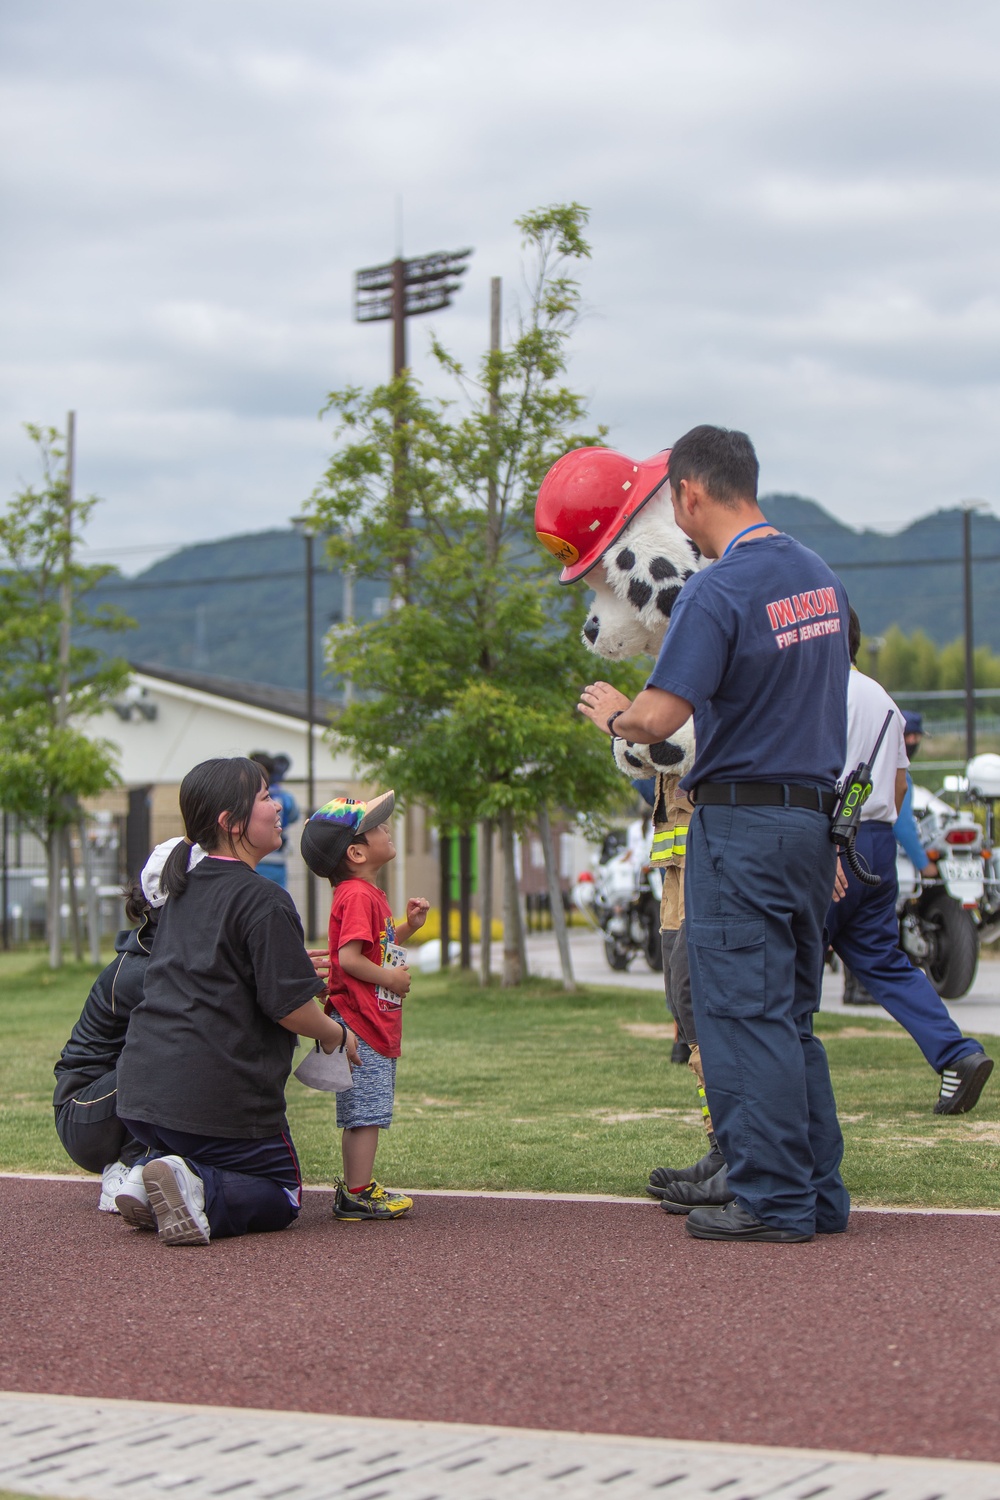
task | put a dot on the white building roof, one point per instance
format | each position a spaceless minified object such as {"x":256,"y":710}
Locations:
{"x":164,"y":725}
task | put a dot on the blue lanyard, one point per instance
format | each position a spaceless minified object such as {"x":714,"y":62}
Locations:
{"x":757,"y":526}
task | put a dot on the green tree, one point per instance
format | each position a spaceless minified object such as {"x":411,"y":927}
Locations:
{"x":49,"y":680}
{"x":951,"y":660}
{"x":914,"y":664}
{"x":909,"y":663}
{"x":467,"y":686}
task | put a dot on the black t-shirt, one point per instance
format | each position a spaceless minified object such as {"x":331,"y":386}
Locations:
{"x":99,"y":1035}
{"x":204,"y":1051}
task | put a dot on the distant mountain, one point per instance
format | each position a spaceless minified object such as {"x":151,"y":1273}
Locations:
{"x":913,"y":578}
{"x":236,"y":608}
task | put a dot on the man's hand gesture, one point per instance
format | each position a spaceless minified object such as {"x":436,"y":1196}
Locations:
{"x":599,"y":700}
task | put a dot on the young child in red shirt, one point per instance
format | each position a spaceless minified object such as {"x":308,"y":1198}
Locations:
{"x":347,"y":843}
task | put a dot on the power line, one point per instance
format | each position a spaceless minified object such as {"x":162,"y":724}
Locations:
{"x":915,"y":562}
{"x":126,"y":584}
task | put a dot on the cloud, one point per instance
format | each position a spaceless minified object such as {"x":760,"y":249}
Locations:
{"x":794,"y":219}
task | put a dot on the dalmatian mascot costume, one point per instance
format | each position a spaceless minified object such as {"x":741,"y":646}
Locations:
{"x":609,"y":520}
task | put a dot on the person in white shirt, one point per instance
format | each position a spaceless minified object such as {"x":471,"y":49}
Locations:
{"x":861,"y":924}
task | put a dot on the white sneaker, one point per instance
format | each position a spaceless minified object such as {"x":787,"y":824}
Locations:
{"x":177,"y":1198}
{"x":112,"y":1177}
{"x":132,"y":1201}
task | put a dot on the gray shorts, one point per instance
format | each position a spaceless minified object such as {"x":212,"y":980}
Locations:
{"x":369,"y":1102}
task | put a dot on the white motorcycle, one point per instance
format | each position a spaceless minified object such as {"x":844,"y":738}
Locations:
{"x":622,"y":898}
{"x":982,"y":785}
{"x":939,"y":918}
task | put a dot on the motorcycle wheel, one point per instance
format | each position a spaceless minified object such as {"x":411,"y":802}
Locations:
{"x":954,"y":957}
{"x":617,"y":957}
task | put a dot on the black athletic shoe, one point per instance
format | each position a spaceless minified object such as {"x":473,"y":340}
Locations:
{"x":962,"y":1084}
{"x":682,"y":1197}
{"x":662,"y":1177}
{"x":680,"y":1052}
{"x":734,"y":1223}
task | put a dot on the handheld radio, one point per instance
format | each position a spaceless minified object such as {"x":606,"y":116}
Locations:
{"x":854,"y":793}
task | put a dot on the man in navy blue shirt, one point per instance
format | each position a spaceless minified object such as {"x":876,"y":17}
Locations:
{"x":757,"y":650}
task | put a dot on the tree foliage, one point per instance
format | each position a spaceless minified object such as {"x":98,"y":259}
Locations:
{"x":46,"y":763}
{"x":912,"y":663}
{"x":466,"y":689}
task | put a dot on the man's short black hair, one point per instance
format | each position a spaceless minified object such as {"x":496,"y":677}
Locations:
{"x":854,"y":637}
{"x":723,"y":461}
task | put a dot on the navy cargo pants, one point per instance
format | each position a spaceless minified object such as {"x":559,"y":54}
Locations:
{"x":251,"y":1186}
{"x":757,"y":891}
{"x":864,"y":930}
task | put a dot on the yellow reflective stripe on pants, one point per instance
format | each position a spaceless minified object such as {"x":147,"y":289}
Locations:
{"x":669,"y":843}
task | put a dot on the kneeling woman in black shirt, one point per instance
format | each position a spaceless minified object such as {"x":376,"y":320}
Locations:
{"x":201,"y":1081}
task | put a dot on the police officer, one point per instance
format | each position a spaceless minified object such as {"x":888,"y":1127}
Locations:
{"x":862,"y":926}
{"x":757,"y":650}
{"x":905,"y":830}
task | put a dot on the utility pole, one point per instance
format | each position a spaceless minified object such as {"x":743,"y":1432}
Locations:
{"x":492,"y":505}
{"x":492,"y":549}
{"x":65,"y":583}
{"x":970,"y":660}
{"x":58,"y":844}
{"x":303,"y":525}
{"x":310,"y":720}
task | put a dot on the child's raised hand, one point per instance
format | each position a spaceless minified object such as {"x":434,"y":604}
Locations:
{"x":416,"y":912}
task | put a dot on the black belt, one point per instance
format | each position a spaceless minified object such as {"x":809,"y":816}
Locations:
{"x":762,"y":794}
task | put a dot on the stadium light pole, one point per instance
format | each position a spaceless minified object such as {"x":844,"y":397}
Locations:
{"x":395,"y":291}
{"x":402,"y":289}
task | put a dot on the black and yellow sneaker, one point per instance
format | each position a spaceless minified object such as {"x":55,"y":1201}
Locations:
{"x":373,"y":1202}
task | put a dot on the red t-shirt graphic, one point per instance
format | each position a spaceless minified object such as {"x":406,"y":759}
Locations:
{"x":360,"y":911}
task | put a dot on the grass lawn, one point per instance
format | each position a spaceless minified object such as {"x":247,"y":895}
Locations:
{"x":536,"y":1089}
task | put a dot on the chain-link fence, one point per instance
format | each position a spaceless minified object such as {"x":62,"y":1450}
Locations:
{"x":24,"y":878}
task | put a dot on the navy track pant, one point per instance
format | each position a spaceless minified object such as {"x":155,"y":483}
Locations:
{"x":251,"y":1187}
{"x":862,"y":928}
{"x":757,"y":890}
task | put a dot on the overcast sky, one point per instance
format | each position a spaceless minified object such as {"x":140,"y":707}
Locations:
{"x":795,"y":225}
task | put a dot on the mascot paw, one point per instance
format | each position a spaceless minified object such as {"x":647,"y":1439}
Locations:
{"x":666,"y":755}
{"x":675,"y":755}
{"x":634,"y":761}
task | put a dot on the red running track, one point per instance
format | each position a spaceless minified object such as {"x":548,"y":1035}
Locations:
{"x":591,"y":1317}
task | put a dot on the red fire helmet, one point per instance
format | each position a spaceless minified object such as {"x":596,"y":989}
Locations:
{"x":588,"y":498}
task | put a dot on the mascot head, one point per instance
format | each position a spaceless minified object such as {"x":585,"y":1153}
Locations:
{"x":610,"y":519}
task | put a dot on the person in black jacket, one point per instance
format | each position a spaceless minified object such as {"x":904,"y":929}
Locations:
{"x":86,"y":1089}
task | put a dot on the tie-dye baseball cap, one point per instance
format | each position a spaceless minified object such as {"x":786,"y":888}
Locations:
{"x":327,"y":834}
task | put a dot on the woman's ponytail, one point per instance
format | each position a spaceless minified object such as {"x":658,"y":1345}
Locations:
{"x":174,"y":875}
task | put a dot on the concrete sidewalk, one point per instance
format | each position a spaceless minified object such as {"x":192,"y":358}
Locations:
{"x":91,"y":1450}
{"x":978,"y":1012}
